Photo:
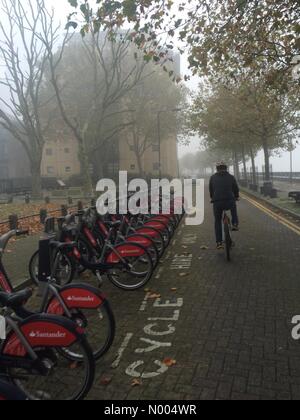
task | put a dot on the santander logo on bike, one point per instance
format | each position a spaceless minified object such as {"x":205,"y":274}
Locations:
{"x":39,"y":334}
{"x":80,"y":299}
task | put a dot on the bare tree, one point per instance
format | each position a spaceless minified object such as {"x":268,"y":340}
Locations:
{"x":25,"y":58}
{"x":113,"y":71}
{"x":157,"y":94}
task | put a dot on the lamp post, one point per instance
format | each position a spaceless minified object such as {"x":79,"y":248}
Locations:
{"x":159,"y":113}
{"x":290,"y":149}
{"x":296,"y":77}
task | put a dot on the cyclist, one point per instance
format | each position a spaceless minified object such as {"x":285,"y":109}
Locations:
{"x":224,"y":193}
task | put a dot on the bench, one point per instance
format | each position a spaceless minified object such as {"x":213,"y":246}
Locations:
{"x":295,"y":195}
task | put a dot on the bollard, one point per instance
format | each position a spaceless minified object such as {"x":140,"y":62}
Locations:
{"x":70,"y":200}
{"x":43,"y":215}
{"x":13,"y":221}
{"x":80,"y":206}
{"x":47,"y":200}
{"x":64,"y":210}
{"x":27,"y":199}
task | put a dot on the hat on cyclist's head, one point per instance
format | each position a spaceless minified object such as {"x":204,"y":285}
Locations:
{"x":221,"y":166}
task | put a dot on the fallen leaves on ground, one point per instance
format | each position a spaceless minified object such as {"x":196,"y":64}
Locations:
{"x":106,"y":380}
{"x":155,"y":296}
{"x":169,"y":362}
{"x":74,"y":365}
{"x":136,"y":382}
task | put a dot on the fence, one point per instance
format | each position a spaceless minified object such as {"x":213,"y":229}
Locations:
{"x":15,"y":222}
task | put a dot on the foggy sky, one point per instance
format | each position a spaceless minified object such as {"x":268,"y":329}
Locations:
{"x":282,"y":163}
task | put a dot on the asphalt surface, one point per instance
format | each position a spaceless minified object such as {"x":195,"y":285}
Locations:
{"x":205,"y":328}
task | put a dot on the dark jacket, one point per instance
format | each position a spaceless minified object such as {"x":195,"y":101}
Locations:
{"x":223,"y":187}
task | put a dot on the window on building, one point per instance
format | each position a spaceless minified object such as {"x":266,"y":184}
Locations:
{"x":49,"y":152}
{"x":132,"y":167}
{"x":113,"y":168}
{"x":50,"y":170}
{"x":68,"y":169}
{"x":156,"y":166}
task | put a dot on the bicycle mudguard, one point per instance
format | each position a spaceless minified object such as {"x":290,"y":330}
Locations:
{"x":125,"y":250}
{"x":163,"y":219}
{"x":140,"y":239}
{"x":81,"y":296}
{"x":148,"y":231}
{"x":42,"y":331}
{"x":4,"y":283}
{"x":156,"y":224}
{"x":103,"y":228}
{"x":90,"y":237}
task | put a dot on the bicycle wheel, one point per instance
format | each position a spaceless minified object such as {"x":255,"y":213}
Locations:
{"x":136,"y":276}
{"x":86,"y":253}
{"x":156,"y":237}
{"x":148,"y":243}
{"x":228,"y":241}
{"x":100,"y":328}
{"x":64,"y":381}
{"x":8,"y":392}
{"x":157,"y":224}
{"x":64,"y":273}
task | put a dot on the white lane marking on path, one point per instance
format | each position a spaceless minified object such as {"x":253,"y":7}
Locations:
{"x":189,"y":239}
{"x":121,"y":350}
{"x":158,"y":275}
{"x":144,"y":303}
{"x":132,"y":370}
{"x":182,"y":262}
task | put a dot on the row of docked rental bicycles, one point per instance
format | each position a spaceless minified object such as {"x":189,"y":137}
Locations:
{"x":51,"y":354}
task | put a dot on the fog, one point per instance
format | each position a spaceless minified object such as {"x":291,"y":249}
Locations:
{"x":280,"y":162}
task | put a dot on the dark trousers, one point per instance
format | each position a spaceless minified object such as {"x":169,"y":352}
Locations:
{"x":219,"y":208}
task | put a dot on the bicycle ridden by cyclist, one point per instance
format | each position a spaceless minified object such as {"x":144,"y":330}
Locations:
{"x":224,"y":193}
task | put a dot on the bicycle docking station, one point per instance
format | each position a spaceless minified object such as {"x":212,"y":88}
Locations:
{"x":44,"y":265}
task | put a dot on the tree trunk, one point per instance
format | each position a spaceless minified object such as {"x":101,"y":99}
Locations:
{"x":236,"y":165}
{"x":36,"y":180}
{"x":254,"y":178}
{"x":85,"y":169}
{"x":245,"y":164}
{"x":267,"y":160}
{"x":140,"y":165}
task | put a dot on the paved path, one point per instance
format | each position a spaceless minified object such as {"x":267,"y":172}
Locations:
{"x":227,"y":326}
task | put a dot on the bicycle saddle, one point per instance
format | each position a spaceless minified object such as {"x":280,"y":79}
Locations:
{"x":15,"y":300}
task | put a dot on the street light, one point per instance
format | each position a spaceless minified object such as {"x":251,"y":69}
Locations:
{"x":291,"y":147}
{"x":159,"y":113}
